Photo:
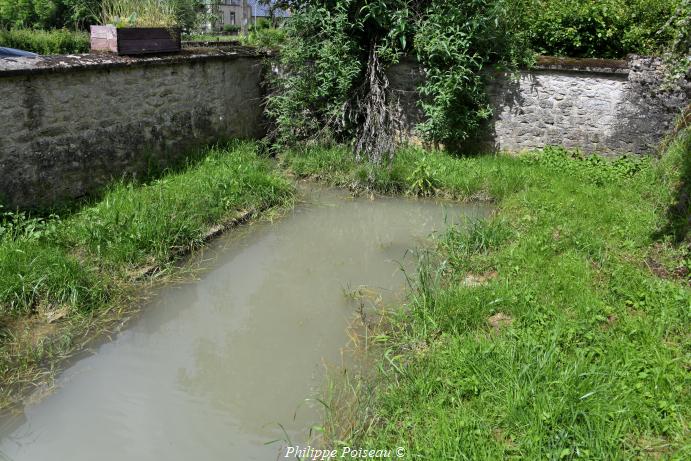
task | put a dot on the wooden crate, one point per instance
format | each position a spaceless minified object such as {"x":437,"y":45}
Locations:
{"x":134,"y":40}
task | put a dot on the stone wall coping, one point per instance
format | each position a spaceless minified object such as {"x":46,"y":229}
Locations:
{"x":585,"y":65}
{"x":11,"y":67}
{"x":591,"y":65}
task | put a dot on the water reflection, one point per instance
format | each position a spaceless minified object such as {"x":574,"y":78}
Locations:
{"x":212,"y":368}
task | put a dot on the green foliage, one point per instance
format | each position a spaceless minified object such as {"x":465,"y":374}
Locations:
{"x":189,"y":14}
{"x":48,"y":14}
{"x":677,"y":52}
{"x":209,"y":38}
{"x":45,"y":42}
{"x":262,"y":23}
{"x":139,"y":13}
{"x":602,"y":29}
{"x":594,"y":169}
{"x":329,"y":46}
{"x":270,"y":39}
{"x":34,"y":272}
{"x":455,"y":43}
{"x":135,"y":224}
{"x":326,"y":79}
{"x":423,"y":180}
{"x":592,"y":334}
{"x":674,"y":172}
{"x":79,"y":14}
{"x":231,"y":28}
{"x":320,"y":63}
{"x":20,"y":226}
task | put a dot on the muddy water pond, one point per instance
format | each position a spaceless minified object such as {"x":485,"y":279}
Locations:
{"x":219,"y":367}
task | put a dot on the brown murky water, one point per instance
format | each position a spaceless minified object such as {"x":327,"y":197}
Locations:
{"x":213,"y":369}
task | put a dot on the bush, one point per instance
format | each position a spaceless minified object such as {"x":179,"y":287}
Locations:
{"x":262,"y":23}
{"x":271,"y":39}
{"x":46,"y":42}
{"x":455,"y":42}
{"x":231,"y":28}
{"x":603,"y":28}
{"x":334,"y":85}
{"x":49,"y":14}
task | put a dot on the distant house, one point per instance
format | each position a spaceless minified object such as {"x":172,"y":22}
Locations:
{"x":231,"y":12}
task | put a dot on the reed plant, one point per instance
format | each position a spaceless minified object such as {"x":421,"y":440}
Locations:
{"x":139,"y":13}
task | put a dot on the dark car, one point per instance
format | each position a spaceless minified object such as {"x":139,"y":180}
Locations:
{"x":14,"y":53}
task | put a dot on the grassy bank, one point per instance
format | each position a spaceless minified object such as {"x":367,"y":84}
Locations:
{"x":63,"y":276}
{"x":558,"y":329}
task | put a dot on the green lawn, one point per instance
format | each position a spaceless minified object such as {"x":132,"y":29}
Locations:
{"x":571,"y":348}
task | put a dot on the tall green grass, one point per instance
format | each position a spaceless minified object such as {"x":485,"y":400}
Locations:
{"x":590,"y":358}
{"x":138,"y":13}
{"x":82,"y":265}
{"x":46,"y":42}
{"x":143,"y":224}
{"x":72,"y":261}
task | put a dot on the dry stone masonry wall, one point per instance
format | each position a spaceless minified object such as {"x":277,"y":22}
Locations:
{"x":605,"y":106}
{"x":71,"y":125}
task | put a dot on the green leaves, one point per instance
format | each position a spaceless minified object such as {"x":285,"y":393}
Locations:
{"x":602,"y":29}
{"x":455,"y":42}
{"x":48,"y":14}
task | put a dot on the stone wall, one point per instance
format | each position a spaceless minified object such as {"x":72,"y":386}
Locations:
{"x":72,"y":124}
{"x":606,"y":106}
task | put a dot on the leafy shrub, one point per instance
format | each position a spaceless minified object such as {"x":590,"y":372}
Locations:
{"x":677,"y":55}
{"x":454,"y":43}
{"x":46,"y":42}
{"x":262,"y":23}
{"x":602,"y":28}
{"x":48,"y":14}
{"x":423,"y":179}
{"x":271,"y":39}
{"x":320,"y":65}
{"x":189,"y":14}
{"x":332,"y":80}
{"x":20,"y":226}
{"x":231,"y":28}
